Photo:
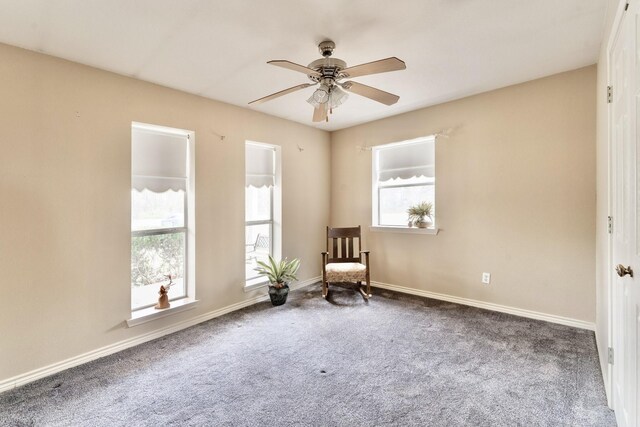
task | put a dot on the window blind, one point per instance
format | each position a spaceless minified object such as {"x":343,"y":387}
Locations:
{"x":260,"y":166}
{"x":158,"y":161}
{"x":405,"y":161}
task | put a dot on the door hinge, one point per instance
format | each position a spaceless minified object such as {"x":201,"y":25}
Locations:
{"x":609,"y":94}
{"x":610,"y":356}
{"x":610,"y":224}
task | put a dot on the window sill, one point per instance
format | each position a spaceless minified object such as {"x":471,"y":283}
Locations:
{"x":148,"y":314}
{"x":257,"y":283}
{"x":406,"y":230}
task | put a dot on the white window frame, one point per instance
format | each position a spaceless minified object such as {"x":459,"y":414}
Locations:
{"x":179,"y":303}
{"x":275,"y":222}
{"x":376,"y":187}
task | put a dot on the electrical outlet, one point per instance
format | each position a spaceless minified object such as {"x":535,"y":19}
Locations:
{"x":486,"y":278}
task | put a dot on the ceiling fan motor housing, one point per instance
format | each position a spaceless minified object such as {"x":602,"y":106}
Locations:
{"x":329,"y":68}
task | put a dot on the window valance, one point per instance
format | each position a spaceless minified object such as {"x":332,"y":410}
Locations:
{"x":259,"y":164}
{"x":405,"y":161}
{"x":159,"y":161}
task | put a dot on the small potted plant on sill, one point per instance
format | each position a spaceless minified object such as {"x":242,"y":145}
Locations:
{"x":279,"y":273}
{"x":420,"y":214}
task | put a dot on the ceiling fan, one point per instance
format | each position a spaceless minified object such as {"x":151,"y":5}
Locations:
{"x":328,"y":73}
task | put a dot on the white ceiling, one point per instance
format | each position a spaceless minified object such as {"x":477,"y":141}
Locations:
{"x":219,"y":48}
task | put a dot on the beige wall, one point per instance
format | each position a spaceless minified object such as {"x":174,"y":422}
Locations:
{"x":515,"y":196}
{"x":65,"y":190}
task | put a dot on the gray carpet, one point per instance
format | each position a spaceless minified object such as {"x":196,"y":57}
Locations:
{"x":397,"y":361}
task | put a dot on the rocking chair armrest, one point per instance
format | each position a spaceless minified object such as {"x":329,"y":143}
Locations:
{"x":366,"y":257}
{"x":325,"y":256}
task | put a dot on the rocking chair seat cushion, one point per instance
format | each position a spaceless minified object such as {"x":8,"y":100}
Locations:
{"x":346,"y":272}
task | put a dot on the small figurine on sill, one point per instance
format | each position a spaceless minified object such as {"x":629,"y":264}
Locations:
{"x":163,"y":301}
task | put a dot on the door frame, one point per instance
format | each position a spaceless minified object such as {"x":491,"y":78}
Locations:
{"x":613,"y":37}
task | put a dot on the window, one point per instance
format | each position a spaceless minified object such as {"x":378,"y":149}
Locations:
{"x":262,"y":206}
{"x":161,"y":205}
{"x":403,"y":176}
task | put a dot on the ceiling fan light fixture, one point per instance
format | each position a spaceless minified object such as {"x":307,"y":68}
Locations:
{"x":337,"y":97}
{"x":312,"y":100}
{"x":321,"y":95}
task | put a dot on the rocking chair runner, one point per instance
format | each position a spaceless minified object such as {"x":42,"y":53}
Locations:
{"x":343,"y":260}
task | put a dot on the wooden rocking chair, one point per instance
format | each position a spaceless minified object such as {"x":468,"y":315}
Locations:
{"x":344,"y":261}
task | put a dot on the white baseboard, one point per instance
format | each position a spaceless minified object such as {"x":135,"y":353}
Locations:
{"x":36,"y":374}
{"x":490,"y":306}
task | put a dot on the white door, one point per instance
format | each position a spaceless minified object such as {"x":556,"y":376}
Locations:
{"x":625,"y":74}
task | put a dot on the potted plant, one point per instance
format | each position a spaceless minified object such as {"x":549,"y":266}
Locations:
{"x":420,"y":214}
{"x":279,"y":273}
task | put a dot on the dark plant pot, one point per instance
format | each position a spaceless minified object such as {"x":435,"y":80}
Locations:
{"x":278,"y":295}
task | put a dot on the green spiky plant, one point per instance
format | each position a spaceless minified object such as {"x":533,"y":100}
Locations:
{"x":278,"y":273}
{"x":417,"y":213}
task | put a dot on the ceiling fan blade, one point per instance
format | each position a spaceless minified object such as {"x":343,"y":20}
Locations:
{"x":295,"y":67}
{"x":375,"y":67}
{"x":371,"y":93}
{"x":282,"y":92}
{"x":320,"y":113}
